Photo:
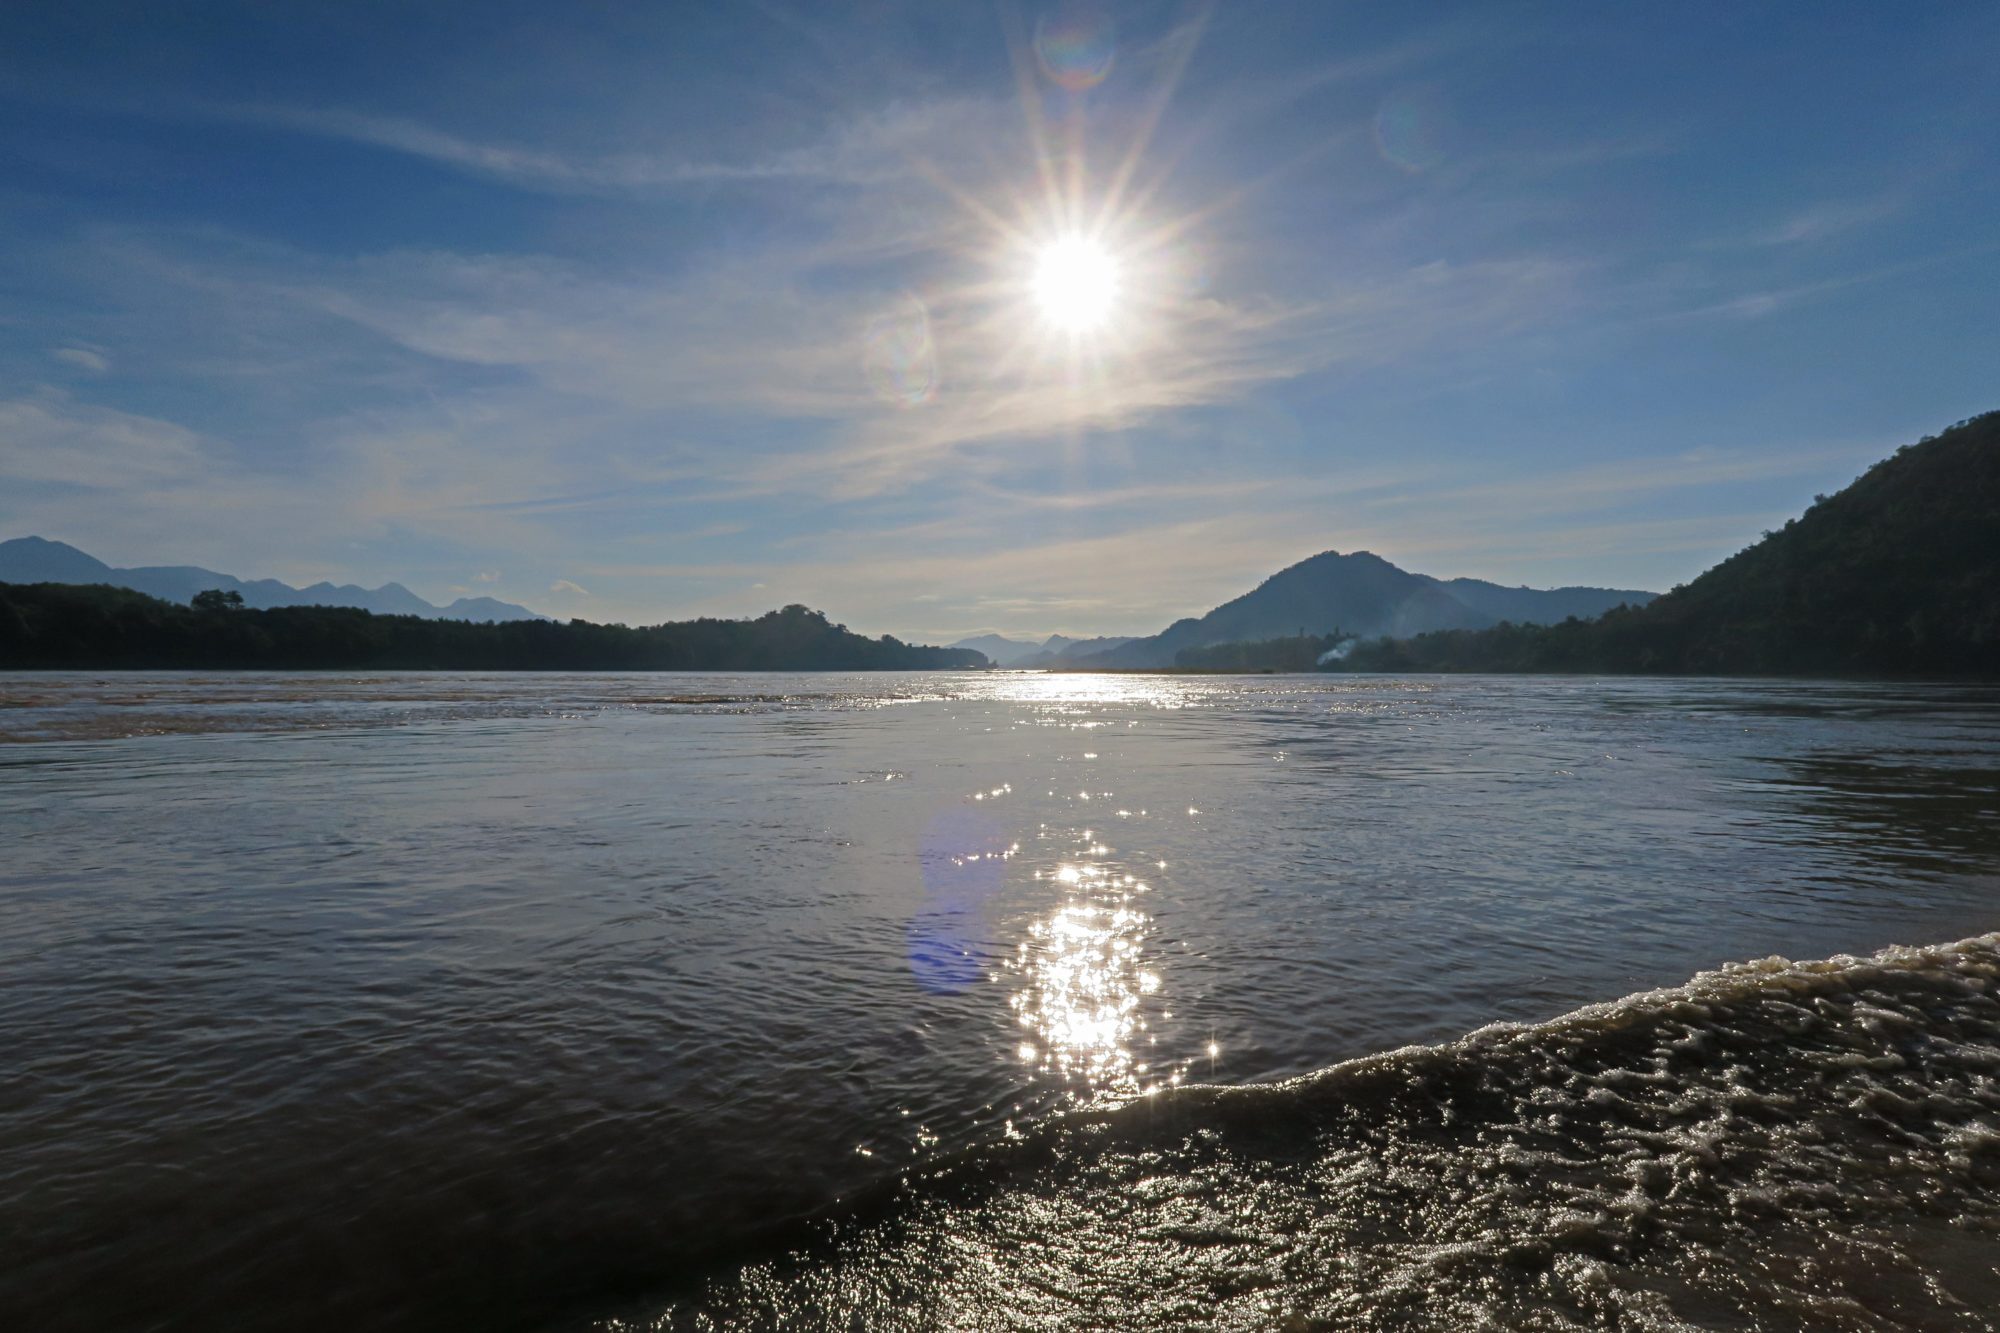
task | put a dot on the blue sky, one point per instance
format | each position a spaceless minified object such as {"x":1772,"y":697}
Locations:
{"x":638,"y":312}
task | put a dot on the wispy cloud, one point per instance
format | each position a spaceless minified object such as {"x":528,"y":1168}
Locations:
{"x":770,"y":337}
{"x":53,"y":438}
{"x":132,"y":488}
{"x":1766,"y":301}
{"x":1826,"y":220}
{"x":1630,"y":480}
{"x":83,"y":358}
{"x":863,"y":150}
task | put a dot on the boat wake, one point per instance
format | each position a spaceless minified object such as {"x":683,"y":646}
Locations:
{"x":1774,"y":1145}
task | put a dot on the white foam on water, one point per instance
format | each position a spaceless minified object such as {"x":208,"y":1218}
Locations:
{"x":1773,"y":1145}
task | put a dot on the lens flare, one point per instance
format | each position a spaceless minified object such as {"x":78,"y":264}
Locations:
{"x":899,"y":355}
{"x":963,"y":861}
{"x":1075,"y":283}
{"x":1076,"y":48}
{"x":1410,"y":129}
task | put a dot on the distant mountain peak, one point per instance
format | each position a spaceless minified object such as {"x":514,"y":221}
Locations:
{"x":1362,"y":594}
{"x":40,"y":560}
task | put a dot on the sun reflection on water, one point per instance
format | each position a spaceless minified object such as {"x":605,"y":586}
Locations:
{"x":1085,"y":982}
{"x":1084,"y":691}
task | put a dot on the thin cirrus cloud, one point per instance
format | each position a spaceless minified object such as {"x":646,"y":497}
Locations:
{"x":52,"y":438}
{"x":135,"y":489}
{"x":769,"y":338}
{"x":1828,"y":219}
{"x":88,"y":359}
{"x":1597,"y":486}
{"x":869,"y":149}
{"x":776,"y":333}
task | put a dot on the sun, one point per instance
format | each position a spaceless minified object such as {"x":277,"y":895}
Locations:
{"x":1075,"y":283}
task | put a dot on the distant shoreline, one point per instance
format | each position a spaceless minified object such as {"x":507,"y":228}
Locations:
{"x":99,"y":627}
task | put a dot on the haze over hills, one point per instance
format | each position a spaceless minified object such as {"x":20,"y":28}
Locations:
{"x":1898,"y":574}
{"x":1073,"y":651}
{"x":38,"y":560}
{"x":1362,"y":595}
{"x":1057,"y":648}
{"x":999,"y":650}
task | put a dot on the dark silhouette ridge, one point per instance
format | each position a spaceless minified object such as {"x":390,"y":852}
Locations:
{"x":62,"y":625}
{"x":1896,"y":575}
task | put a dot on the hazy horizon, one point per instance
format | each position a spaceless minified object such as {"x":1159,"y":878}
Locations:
{"x":677,"y":313}
{"x":1032,"y":637}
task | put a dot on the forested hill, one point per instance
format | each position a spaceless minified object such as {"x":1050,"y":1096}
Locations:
{"x":100,"y":627}
{"x":1898,"y":574}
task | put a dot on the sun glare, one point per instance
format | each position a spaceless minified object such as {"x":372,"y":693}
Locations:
{"x":1075,"y":283}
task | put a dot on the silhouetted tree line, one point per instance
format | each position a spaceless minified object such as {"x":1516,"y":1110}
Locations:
{"x":1897,"y":575}
{"x":95,"y":626}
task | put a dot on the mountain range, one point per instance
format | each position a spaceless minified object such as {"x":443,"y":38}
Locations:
{"x":1364,"y":597}
{"x":37,"y":560}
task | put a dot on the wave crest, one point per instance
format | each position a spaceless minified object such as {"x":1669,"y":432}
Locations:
{"x":1774,"y":1144}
